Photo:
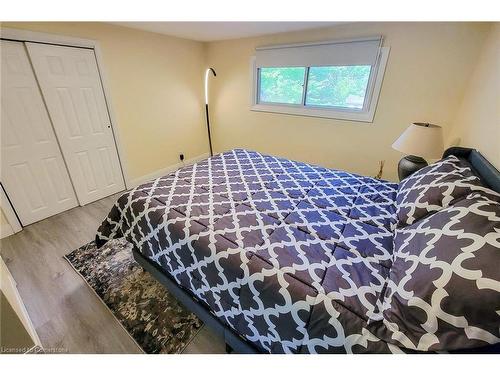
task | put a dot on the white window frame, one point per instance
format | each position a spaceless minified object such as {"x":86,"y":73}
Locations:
{"x":366,"y":114}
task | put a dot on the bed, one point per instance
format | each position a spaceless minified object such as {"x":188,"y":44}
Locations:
{"x":280,"y":256}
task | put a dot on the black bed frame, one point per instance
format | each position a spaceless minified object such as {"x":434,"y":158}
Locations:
{"x":489,"y":175}
{"x":234,"y":342}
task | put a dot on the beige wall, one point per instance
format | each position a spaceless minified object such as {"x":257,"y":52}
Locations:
{"x":428,"y":67}
{"x":156,"y":86}
{"x":477,"y":123}
{"x":14,"y":338}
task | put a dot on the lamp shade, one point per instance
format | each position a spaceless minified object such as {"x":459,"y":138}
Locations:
{"x":421,"y":139}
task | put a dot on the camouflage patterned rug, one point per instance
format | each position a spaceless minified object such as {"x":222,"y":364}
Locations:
{"x":152,"y":317}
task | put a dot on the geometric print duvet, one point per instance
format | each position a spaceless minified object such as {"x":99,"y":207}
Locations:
{"x":292,"y":257}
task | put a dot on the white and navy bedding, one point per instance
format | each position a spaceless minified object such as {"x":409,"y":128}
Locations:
{"x":302,"y":259}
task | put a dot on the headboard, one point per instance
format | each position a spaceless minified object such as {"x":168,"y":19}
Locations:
{"x":489,"y":175}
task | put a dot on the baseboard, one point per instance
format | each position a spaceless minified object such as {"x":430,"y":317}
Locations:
{"x":162,"y":172}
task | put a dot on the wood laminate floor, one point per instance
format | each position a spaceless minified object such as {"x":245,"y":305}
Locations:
{"x":66,"y":313}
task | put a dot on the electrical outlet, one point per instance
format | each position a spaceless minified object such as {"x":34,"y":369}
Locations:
{"x":181,"y":157}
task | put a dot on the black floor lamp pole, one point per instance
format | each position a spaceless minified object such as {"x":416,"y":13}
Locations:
{"x":208,"y":129}
{"x":206,"y":107}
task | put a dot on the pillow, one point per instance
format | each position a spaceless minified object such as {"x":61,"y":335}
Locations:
{"x":443,"y":289}
{"x":433,"y":188}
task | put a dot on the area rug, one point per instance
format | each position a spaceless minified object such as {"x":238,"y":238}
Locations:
{"x":152,"y":316}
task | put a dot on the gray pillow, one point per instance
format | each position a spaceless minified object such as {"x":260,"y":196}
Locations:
{"x":433,"y":188}
{"x":443,"y":290}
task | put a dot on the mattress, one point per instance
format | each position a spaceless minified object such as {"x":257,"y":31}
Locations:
{"x":293,"y":257}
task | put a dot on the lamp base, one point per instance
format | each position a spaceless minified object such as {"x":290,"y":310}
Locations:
{"x":410,"y":164}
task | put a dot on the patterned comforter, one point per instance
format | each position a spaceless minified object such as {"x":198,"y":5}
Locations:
{"x":292,"y":256}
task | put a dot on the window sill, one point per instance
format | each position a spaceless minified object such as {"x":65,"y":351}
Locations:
{"x":315,"y":112}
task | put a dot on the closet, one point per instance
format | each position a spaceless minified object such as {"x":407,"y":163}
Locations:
{"x":57,"y":145}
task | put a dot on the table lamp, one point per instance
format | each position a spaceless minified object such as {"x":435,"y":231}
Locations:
{"x":420,"y":140}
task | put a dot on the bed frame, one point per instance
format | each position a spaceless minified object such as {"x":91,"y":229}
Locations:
{"x":234,"y":342}
{"x":489,"y":175}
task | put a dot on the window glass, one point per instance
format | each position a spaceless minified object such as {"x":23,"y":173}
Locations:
{"x":337,"y":86}
{"x":282,"y":85}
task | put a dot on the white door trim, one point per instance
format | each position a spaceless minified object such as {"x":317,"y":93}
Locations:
{"x":9,"y":212}
{"x":40,"y":37}
{"x":10,"y":291}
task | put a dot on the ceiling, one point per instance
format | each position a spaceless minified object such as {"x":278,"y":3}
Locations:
{"x":213,"y":31}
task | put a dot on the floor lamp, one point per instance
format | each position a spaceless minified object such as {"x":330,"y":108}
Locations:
{"x":207,"y":73}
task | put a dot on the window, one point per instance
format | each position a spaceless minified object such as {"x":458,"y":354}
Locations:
{"x":337,"y":86}
{"x":281,"y":85}
{"x":340,"y":79}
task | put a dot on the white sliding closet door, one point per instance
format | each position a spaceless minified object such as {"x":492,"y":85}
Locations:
{"x":33,"y":171}
{"x":71,"y":85}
